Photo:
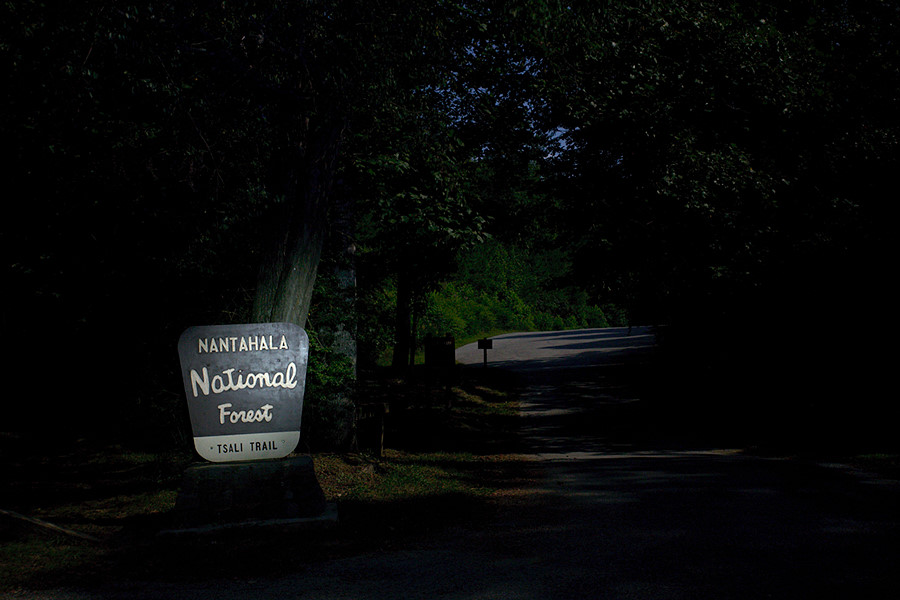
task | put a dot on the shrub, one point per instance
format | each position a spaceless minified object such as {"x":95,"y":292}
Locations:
{"x":506,"y":288}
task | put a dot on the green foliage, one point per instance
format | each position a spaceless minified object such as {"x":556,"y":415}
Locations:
{"x":328,"y":410}
{"x":330,"y":372}
{"x":507,"y":288}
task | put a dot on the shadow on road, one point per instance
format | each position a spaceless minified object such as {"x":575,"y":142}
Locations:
{"x":705,"y":525}
{"x":595,"y":391}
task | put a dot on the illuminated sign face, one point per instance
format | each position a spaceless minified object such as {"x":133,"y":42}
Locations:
{"x":244,"y":386}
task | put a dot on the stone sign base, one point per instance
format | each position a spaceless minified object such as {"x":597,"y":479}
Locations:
{"x":250,"y":495}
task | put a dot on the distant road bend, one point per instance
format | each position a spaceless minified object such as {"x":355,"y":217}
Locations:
{"x":526,"y":352}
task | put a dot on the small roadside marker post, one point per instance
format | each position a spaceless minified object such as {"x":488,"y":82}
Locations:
{"x":485,"y":344}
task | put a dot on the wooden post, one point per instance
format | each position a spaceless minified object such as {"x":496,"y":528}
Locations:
{"x":485,"y":344}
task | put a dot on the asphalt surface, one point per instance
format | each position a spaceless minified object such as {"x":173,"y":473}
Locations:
{"x":619,"y":513}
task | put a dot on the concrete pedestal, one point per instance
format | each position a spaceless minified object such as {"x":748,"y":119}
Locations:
{"x":274,"y":493}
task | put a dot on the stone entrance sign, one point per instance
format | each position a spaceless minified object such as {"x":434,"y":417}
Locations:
{"x":244,"y":386}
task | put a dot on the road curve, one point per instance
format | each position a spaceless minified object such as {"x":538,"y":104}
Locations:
{"x":553,"y":350}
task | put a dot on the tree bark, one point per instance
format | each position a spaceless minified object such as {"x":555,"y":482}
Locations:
{"x":343,"y":232}
{"x":288,"y":271}
{"x":402,"y":322}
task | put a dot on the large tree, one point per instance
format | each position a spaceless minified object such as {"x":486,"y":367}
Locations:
{"x":177,"y":162}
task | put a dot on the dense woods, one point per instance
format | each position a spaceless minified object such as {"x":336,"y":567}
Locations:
{"x":378,"y":171}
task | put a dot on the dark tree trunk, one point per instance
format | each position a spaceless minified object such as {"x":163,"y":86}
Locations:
{"x":402,"y":323}
{"x":288,"y":271}
{"x":343,"y":232}
{"x":412,"y":334}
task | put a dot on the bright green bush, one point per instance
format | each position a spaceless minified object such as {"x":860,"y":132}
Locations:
{"x":498,"y":287}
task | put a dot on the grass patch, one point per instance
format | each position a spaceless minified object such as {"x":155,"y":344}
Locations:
{"x":403,"y":475}
{"x":885,"y":464}
{"x":409,"y":494}
{"x":26,"y":561}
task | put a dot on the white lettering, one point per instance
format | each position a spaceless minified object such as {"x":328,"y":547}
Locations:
{"x":227,"y":382}
{"x":278,"y":379}
{"x":241,"y":344}
{"x":223,"y":412}
{"x":291,"y":376}
{"x":259,"y":415}
{"x":203,"y":383}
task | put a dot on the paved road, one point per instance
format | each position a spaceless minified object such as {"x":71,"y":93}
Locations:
{"x":620,"y":514}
